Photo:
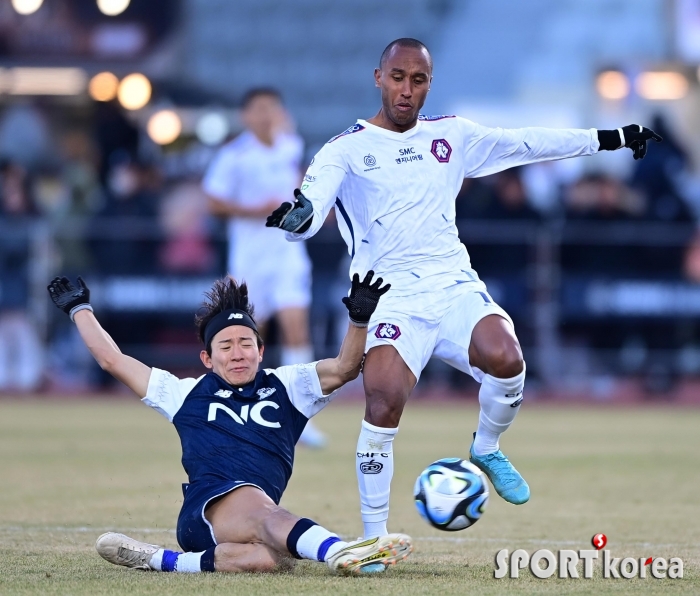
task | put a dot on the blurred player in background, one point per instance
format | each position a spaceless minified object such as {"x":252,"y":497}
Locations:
{"x":238,"y":427}
{"x":393,"y":180}
{"x":247,"y":180}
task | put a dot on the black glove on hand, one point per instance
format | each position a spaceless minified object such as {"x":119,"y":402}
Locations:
{"x":292,"y":217}
{"x":363,"y":298}
{"x":69,"y":298}
{"x":633,"y":136}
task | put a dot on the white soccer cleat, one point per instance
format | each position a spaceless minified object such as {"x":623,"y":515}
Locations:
{"x":125,"y":551}
{"x":371,"y":556}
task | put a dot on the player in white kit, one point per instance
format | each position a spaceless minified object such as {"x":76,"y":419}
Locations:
{"x":393,"y":180}
{"x":244,"y":183}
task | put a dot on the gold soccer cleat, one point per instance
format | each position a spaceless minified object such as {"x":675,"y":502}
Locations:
{"x":371,"y":556}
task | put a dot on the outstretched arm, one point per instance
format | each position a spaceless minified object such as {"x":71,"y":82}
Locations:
{"x":491,"y":150}
{"x":333,"y":373}
{"x":75,"y":302}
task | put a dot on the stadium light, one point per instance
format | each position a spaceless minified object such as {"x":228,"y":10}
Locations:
{"x":26,"y":6}
{"x":134,"y":91}
{"x":661,"y":85}
{"x":103,"y":86}
{"x":112,"y":7}
{"x":42,"y":81}
{"x":613,"y":84}
{"x":164,"y":127}
{"x":212,"y":128}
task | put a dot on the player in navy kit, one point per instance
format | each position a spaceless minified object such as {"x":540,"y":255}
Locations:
{"x":238,"y":427}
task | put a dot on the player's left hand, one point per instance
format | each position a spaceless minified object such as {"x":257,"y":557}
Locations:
{"x":364,"y":297}
{"x":69,"y":298}
{"x":632,"y":136}
{"x":294,"y":217}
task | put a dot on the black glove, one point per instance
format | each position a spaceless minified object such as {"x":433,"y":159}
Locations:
{"x":633,"y":136}
{"x":292,"y":217}
{"x":69,"y":298}
{"x":363,"y":298}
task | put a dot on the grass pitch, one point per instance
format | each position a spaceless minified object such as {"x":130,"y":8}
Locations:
{"x":73,"y":470}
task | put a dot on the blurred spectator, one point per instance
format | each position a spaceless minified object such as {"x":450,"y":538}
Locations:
{"x":128,"y":245}
{"x":184,"y":219}
{"x":21,"y":351}
{"x":657,"y":177}
{"x":115,"y":136}
{"x":599,"y":197}
{"x":67,"y":195}
{"x":501,"y":196}
{"x":691,"y":261}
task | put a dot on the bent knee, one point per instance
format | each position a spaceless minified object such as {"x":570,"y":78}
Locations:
{"x":504,"y":360}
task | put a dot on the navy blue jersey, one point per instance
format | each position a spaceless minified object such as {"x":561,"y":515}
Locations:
{"x":240,"y":433}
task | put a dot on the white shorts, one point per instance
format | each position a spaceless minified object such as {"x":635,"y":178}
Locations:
{"x":438,"y":323}
{"x":276,"y":280}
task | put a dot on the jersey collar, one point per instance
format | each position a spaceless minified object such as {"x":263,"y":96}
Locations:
{"x":390,"y":133}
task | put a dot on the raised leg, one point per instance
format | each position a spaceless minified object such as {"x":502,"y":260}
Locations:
{"x":494,"y":349}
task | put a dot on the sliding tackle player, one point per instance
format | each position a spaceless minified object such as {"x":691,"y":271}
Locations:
{"x":238,"y":427}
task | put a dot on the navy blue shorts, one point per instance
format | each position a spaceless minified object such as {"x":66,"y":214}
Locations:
{"x":194,"y":532}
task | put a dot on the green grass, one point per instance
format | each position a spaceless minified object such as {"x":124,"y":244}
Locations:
{"x":70,"y":471}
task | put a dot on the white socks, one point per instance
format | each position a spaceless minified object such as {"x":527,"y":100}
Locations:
{"x":318,"y":544}
{"x":174,"y":561}
{"x":375,"y":467}
{"x":500,"y":401}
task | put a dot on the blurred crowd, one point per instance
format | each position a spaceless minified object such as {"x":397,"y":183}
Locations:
{"x":93,"y":197}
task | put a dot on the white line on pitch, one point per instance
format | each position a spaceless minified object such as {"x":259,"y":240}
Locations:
{"x":452,"y":539}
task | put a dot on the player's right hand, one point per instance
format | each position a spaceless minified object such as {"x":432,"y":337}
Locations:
{"x":364,"y":297}
{"x":67,"y":297}
{"x":294,"y":217}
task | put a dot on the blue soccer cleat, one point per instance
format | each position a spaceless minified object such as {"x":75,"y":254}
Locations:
{"x":507,"y":481}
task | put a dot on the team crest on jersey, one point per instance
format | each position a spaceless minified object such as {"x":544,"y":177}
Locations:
{"x":354,"y":128}
{"x":441,"y":150}
{"x":224,"y":393}
{"x":265,"y":392}
{"x":431,"y":118}
{"x":387,"y":331}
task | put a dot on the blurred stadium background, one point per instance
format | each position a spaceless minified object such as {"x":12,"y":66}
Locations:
{"x":111,"y":110}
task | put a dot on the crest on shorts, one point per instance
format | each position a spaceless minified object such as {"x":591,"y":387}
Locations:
{"x":387,"y":331}
{"x":441,"y":150}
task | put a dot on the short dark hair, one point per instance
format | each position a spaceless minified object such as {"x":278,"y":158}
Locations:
{"x":404,"y":42}
{"x":225,"y":294}
{"x":255,"y":92}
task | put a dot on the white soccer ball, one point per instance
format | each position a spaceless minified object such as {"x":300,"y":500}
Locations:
{"x":451,"y":494}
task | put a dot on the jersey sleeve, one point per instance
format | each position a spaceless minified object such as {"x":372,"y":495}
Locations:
{"x":491,"y":150}
{"x":303,"y":387}
{"x":221,"y":178}
{"x":166,"y":393}
{"x":321,"y":185}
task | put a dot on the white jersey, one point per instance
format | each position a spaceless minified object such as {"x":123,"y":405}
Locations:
{"x":251,"y":174}
{"x":394,"y":193}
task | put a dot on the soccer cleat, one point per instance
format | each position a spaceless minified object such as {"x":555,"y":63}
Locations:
{"x":371,"y":556}
{"x":507,"y":481}
{"x":125,"y":551}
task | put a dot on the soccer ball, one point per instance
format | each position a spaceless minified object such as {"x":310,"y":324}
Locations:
{"x":451,"y":494}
